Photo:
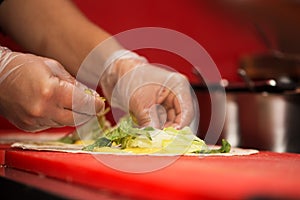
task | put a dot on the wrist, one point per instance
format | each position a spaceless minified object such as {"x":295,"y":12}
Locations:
{"x":10,"y":61}
{"x":116,"y":66}
{"x":122,"y":61}
{"x":6,"y":56}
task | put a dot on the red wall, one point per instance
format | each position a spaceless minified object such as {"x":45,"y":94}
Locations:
{"x":224,"y":36}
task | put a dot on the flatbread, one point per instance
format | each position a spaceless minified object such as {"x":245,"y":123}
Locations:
{"x":76,"y":148}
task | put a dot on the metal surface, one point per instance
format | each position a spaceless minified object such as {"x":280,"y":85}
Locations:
{"x":269,"y":121}
{"x":273,"y":65}
{"x":261,"y":120}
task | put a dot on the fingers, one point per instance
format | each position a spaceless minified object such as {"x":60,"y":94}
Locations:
{"x":143,"y":106}
{"x":75,"y":105}
{"x":159,"y":107}
{"x":184,"y":109}
{"x":166,"y":99}
{"x":147,"y":117}
{"x":41,"y":94}
{"x":183,"y":102}
{"x":179,"y":108}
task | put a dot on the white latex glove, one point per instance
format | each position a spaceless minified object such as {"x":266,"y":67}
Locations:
{"x":155,"y":96}
{"x":36,"y":93}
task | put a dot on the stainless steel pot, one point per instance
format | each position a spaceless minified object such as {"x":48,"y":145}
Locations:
{"x":267,"y":118}
{"x":269,"y":121}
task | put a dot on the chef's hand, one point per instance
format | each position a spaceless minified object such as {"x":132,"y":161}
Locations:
{"x":36,"y":93}
{"x":153,"y":95}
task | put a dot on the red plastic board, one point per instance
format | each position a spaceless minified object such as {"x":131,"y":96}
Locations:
{"x":265,"y":174}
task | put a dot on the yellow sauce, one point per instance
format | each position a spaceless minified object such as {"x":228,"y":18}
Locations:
{"x":84,"y":142}
{"x":138,"y":150}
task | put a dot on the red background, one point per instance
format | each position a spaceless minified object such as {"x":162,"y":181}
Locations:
{"x":225,"y":37}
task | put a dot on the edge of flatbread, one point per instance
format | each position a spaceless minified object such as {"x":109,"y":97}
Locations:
{"x":74,"y":148}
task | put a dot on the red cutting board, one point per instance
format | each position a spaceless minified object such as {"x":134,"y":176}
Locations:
{"x":265,"y":174}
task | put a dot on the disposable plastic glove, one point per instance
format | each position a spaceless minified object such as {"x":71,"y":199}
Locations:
{"x":36,"y":93}
{"x":153,"y":95}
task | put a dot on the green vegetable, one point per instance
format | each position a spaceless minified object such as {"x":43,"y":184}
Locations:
{"x":225,"y":148}
{"x":122,"y":135}
{"x":169,"y":140}
{"x":69,"y":139}
{"x":101,"y":142}
{"x":94,"y":128}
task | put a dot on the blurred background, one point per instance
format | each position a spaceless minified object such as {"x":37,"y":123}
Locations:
{"x":255,"y":45}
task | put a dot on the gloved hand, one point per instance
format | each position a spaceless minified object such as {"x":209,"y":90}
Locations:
{"x":36,"y":93}
{"x":155,"y":96}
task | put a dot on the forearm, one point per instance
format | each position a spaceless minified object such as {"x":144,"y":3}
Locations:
{"x":55,"y":29}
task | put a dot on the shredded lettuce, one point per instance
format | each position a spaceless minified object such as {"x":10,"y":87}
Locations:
{"x":122,"y":135}
{"x":127,"y":135}
{"x":91,"y":130}
{"x":169,"y":140}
